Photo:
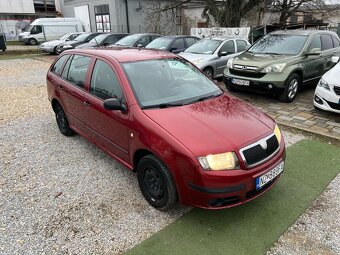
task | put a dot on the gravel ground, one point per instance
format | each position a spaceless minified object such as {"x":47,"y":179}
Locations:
{"x":62,"y":195}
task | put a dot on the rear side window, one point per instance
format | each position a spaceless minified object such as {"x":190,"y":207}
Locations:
{"x":228,"y":47}
{"x":315,"y":43}
{"x":104,"y":82}
{"x":78,"y":69}
{"x":241,"y":45}
{"x":327,"y":42}
{"x":190,"y":41}
{"x":56,"y":69}
{"x":336,"y":42}
{"x":178,"y":44}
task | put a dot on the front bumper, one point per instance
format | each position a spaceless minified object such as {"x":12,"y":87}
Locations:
{"x":326,"y":100}
{"x":47,"y":49}
{"x":60,"y":50}
{"x":224,"y":189}
{"x":261,"y":82}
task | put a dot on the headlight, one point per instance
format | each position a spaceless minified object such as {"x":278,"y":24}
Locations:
{"x":67,"y":46}
{"x":322,"y":83}
{"x":223,"y":161}
{"x":276,"y":68}
{"x":277,"y":133}
{"x":196,"y":62}
{"x":230,"y":63}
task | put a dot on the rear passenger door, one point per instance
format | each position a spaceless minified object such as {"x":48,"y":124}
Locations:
{"x":75,"y":77}
{"x":108,"y":128}
{"x":328,"y":51}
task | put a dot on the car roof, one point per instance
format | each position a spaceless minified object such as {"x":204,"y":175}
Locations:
{"x":300,"y":32}
{"x":125,"y":54}
{"x":179,"y":36}
{"x":224,"y":38}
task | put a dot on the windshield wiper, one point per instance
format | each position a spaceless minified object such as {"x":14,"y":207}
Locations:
{"x":205,"y":98}
{"x":163,"y":105}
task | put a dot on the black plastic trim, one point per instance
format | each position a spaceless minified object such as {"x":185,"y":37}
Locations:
{"x":224,"y":190}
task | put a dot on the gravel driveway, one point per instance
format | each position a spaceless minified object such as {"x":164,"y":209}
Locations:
{"x":62,"y":195}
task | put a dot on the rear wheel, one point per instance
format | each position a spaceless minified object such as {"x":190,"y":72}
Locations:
{"x":209,"y":72}
{"x":156,"y":183}
{"x":291,"y":89}
{"x":62,"y":121}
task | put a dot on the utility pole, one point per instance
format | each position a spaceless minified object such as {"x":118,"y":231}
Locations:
{"x":45,"y":5}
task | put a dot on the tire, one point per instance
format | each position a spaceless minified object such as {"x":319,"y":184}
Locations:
{"x":291,"y":88}
{"x":55,"y":51}
{"x":209,"y":72}
{"x":32,"y":41}
{"x":156,"y":183}
{"x":62,"y":121}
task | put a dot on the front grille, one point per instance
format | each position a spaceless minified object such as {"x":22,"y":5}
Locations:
{"x":333,"y":105}
{"x":246,"y":74}
{"x":255,"y":154}
{"x":337,"y":90}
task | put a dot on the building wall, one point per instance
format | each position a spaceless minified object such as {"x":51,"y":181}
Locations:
{"x":17,"y":6}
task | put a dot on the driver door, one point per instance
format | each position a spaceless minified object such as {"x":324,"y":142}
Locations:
{"x":314,"y":64}
{"x":229,"y":48}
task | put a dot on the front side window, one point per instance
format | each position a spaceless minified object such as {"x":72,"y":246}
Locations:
{"x":59,"y":64}
{"x":190,"y":41}
{"x":78,"y":69}
{"x":279,"y":44}
{"x":165,"y":82}
{"x":178,"y":44}
{"x":327,"y":42}
{"x":228,"y":47}
{"x":315,"y":44}
{"x":104,"y":82}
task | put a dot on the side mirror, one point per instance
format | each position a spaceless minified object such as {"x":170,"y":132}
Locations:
{"x":314,"y":52}
{"x":223,"y":54}
{"x":335,"y":59}
{"x":106,"y":44}
{"x":139,"y":45}
{"x":114,"y":105}
{"x":173,"y":49}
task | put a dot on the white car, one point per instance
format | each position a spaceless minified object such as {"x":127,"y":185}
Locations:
{"x":51,"y":46}
{"x":327,"y":93}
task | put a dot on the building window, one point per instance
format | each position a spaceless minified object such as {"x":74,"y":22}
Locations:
{"x":102,"y":14}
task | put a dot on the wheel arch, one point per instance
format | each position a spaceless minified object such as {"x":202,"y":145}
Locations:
{"x":54,"y":104}
{"x":138,"y":155}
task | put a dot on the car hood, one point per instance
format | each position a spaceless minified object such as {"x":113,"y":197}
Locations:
{"x":215,"y":125}
{"x":194,"y":57}
{"x":332,"y":76}
{"x":261,"y":60}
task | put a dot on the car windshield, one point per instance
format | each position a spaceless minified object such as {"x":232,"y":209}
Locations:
{"x":159,"y":43}
{"x":128,"y":40}
{"x":64,"y":37}
{"x":82,"y":37}
{"x":164,"y":83}
{"x":205,"y":46}
{"x":280,"y":44}
{"x":99,"y":39}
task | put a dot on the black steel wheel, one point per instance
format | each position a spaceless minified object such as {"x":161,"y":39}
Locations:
{"x":156,"y":183}
{"x":62,"y":121}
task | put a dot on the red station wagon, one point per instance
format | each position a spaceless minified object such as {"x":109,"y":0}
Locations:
{"x":161,"y":117}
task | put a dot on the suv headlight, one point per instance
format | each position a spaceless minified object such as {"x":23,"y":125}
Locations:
{"x":277,"y":133}
{"x":230,"y":63}
{"x":276,"y":68}
{"x":197,"y":62}
{"x":324,"y":84}
{"x":223,"y":161}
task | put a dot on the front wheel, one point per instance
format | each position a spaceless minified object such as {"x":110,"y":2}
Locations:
{"x":209,"y":72}
{"x":62,"y":121}
{"x":156,"y":183}
{"x":292,"y":86}
{"x":32,"y":41}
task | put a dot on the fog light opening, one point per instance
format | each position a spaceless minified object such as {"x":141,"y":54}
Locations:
{"x":318,"y":99}
{"x":270,"y":86}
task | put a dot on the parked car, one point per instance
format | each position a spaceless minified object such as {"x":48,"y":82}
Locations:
{"x":102,"y":40}
{"x":283,"y":61}
{"x":327,"y":93}
{"x":47,"y":29}
{"x":173,"y":43}
{"x":211,"y":55}
{"x":137,"y":40}
{"x":81,"y":39}
{"x":51,"y":46}
{"x":163,"y":118}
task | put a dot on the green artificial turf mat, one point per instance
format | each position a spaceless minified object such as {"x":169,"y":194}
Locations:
{"x":253,"y":227}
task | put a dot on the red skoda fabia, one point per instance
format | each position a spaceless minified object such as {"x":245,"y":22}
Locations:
{"x":161,"y":117}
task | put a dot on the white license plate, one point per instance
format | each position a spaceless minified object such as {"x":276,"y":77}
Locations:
{"x":269,"y":176}
{"x":241,"y":82}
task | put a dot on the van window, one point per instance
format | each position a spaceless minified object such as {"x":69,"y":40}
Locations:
{"x":78,"y":70}
{"x":36,"y":30}
{"x":327,"y":42}
{"x":104,"y":82}
{"x":59,"y":64}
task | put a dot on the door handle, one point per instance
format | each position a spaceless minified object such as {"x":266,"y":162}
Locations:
{"x":86,"y":103}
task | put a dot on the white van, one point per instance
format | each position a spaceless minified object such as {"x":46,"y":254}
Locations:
{"x":47,"y":29}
